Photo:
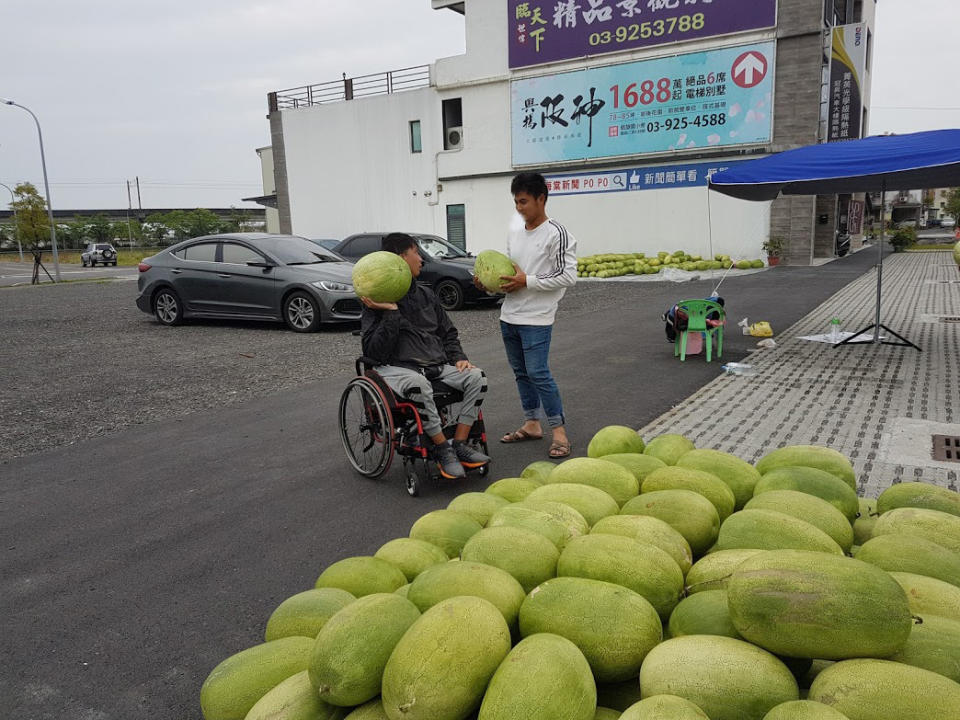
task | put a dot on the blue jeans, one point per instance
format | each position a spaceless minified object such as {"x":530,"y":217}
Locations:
{"x":528,"y":350}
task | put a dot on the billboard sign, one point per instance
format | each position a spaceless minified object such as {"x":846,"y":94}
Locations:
{"x":542,"y":31}
{"x":718,"y":98}
{"x":659,"y":177}
{"x":848,"y":63}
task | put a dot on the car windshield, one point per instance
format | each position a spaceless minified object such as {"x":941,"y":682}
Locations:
{"x":102,"y":247}
{"x":438,"y":248}
{"x":297,"y":251}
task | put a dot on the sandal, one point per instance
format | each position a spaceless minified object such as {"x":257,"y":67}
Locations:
{"x":519,"y":435}
{"x":559,"y":450}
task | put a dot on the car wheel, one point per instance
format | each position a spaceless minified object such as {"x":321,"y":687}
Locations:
{"x":114,"y":263}
{"x":450,"y":294}
{"x":93,"y":263}
{"x":301,"y":313}
{"x":83,"y":262}
{"x":167,"y":307}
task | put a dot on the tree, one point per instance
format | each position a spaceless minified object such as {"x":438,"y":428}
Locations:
{"x":191,"y":224}
{"x":100,"y":229}
{"x":33,"y":226}
{"x":74,"y":233}
{"x":953,"y":204}
{"x":237,"y":220}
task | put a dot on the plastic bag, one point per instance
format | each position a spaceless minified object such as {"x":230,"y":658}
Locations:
{"x":744,"y":326}
{"x":674,"y":275}
{"x":761,"y":329}
{"x":767,"y":344}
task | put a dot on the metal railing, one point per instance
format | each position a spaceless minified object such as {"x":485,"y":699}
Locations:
{"x":386,"y":83}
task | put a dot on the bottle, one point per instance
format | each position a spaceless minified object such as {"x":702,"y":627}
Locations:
{"x":834,"y":334}
{"x":735,"y":368}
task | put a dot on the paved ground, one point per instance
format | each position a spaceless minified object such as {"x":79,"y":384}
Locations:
{"x":877,"y":404}
{"x":136,"y":560}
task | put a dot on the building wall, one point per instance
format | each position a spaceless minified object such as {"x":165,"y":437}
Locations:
{"x":347,"y":167}
{"x":269,"y":187}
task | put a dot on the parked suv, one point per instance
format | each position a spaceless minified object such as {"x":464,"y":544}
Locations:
{"x":104,"y":253}
{"x":446,"y":268}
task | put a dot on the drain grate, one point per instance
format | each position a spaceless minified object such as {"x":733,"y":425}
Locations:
{"x":950,"y":319}
{"x":946,"y":448}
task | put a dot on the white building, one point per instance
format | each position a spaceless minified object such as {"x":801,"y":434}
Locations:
{"x":655,"y":95}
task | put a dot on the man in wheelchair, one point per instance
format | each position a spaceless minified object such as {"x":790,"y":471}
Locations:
{"x":414,"y":342}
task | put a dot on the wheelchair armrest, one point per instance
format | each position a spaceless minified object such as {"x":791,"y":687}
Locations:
{"x":365,"y":362}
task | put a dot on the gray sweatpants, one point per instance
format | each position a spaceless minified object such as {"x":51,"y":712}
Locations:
{"x":417,"y":389}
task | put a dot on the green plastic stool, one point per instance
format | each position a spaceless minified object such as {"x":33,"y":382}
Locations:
{"x":697,"y":312}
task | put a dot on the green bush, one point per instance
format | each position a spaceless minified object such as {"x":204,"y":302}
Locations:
{"x":903,"y":238}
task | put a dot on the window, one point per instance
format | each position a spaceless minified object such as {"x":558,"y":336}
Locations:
{"x":457,"y":226}
{"x":869,"y":47}
{"x":201,"y":252}
{"x":452,"y":123}
{"x":239,"y":254}
{"x":415,"y":144}
{"x":362,"y":245}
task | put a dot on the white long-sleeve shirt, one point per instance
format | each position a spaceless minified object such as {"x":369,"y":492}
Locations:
{"x":548,"y":255}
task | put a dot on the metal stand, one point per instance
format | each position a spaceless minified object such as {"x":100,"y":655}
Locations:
{"x":877,"y":326}
{"x":37,"y":267}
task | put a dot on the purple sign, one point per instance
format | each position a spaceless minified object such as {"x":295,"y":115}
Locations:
{"x":543,"y":31}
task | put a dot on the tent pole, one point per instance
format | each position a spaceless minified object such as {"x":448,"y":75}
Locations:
{"x":876,"y":326}
{"x":883,"y":234}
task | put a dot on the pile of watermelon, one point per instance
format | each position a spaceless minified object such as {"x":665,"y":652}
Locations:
{"x":645,"y":581}
{"x":620,"y":264}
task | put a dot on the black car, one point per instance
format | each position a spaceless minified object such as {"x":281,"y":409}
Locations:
{"x":249,"y":276}
{"x":446,"y":268}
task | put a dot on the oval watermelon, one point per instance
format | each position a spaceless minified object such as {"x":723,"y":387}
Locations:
{"x":545,"y":677}
{"x":815,"y":605}
{"x":306,"y":612}
{"x":919,"y":495}
{"x":884,"y":690}
{"x":645,"y":569}
{"x":361,"y":576}
{"x":623,"y":627}
{"x":815,"y":456}
{"x":728,"y":679}
{"x":350,"y":652}
{"x":740,"y":476}
{"x":442,"y":665}
{"x":687,"y":512}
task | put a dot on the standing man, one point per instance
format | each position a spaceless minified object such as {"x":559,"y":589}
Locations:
{"x":545,"y":259}
{"x":414,"y":342}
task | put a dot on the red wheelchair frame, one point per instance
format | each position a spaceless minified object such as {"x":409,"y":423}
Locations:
{"x":375,"y":425}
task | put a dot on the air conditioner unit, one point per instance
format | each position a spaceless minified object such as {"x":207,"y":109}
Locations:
{"x":454,"y":138}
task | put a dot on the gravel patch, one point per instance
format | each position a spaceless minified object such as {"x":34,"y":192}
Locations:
{"x":80,"y":360}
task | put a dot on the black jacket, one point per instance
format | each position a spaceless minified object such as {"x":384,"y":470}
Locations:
{"x":417,"y":334}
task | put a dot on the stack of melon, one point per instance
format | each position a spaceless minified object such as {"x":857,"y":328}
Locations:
{"x":647,"y":580}
{"x":620,"y":264}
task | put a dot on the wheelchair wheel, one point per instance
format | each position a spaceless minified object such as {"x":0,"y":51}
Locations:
{"x":416,"y":471}
{"x":366,"y":427}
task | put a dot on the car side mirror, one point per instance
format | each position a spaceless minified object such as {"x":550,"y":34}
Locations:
{"x":263,"y":264}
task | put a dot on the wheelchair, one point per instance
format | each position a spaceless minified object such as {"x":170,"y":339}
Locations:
{"x":376,"y":425}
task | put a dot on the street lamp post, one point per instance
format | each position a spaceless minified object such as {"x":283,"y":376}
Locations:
{"x":13,"y":207}
{"x":46,"y":187}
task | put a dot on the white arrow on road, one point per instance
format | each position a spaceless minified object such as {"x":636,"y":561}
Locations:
{"x":750,"y":66}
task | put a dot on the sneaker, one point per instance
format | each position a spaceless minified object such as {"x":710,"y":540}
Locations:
{"x":447,"y":462}
{"x":469,"y":456}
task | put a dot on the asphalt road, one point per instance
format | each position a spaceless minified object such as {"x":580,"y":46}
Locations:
{"x":134,"y":561}
{"x":17,"y":273}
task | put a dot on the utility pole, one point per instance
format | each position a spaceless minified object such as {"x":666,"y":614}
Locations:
{"x":139,"y":204}
{"x":129,"y":207}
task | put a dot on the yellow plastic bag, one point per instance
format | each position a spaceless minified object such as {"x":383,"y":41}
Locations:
{"x":761,"y":329}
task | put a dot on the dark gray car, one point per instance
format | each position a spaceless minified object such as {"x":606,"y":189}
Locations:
{"x":248,"y":276}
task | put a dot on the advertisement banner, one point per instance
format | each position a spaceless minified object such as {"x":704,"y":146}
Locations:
{"x":542,"y":31}
{"x":848,"y":62}
{"x":717,"y":98}
{"x":659,"y":177}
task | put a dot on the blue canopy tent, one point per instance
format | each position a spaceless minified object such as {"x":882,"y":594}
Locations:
{"x":874,"y":164}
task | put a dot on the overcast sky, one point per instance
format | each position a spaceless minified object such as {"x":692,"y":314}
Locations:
{"x":175,"y":91}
